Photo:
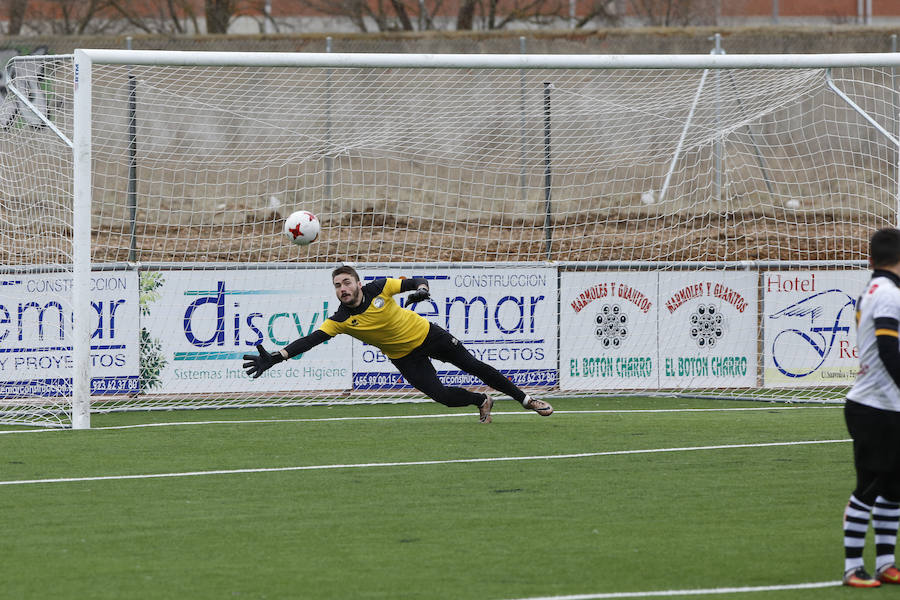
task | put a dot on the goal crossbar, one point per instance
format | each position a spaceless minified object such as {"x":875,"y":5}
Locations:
{"x":494,"y":61}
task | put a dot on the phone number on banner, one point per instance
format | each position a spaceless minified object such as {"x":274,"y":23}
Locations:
{"x":394,"y":381}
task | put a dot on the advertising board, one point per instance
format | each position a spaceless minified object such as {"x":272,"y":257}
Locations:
{"x":708,"y":329}
{"x":36,"y":334}
{"x":505,"y":317}
{"x":199,"y":324}
{"x":608,"y":330}
{"x":809,"y":335}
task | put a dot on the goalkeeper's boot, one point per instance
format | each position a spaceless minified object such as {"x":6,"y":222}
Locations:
{"x":539,"y":406}
{"x":859,"y":578}
{"x":484,"y":410}
{"x":888,"y":574}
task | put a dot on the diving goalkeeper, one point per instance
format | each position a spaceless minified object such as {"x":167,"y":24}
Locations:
{"x":370,"y":314}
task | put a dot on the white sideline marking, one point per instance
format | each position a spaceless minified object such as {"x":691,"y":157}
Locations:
{"x":725,"y":590}
{"x":412,"y":463}
{"x":435,"y":416}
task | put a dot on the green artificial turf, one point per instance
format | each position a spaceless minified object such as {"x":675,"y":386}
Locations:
{"x":603,"y":524}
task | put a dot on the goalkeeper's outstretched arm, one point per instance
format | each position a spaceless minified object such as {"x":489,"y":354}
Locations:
{"x":420,"y":285}
{"x":257,"y":364}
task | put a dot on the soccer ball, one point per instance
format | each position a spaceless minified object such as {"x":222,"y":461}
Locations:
{"x":301,"y":227}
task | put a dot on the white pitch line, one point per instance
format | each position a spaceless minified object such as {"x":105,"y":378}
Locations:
{"x":434,"y":416}
{"x":411,"y":463}
{"x":700,"y":592}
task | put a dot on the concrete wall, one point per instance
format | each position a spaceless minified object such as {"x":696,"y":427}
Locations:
{"x":605,"y":41}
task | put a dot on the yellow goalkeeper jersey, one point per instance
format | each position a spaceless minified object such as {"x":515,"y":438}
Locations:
{"x":380,"y":321}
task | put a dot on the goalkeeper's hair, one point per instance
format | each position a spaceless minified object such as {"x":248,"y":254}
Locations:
{"x":345,"y":270}
{"x":884,"y":248}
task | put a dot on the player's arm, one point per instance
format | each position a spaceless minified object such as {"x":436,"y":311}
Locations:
{"x":420,"y":285}
{"x":886,"y":334}
{"x":257,"y":364}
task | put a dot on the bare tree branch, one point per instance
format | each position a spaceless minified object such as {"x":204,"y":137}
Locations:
{"x":349,"y":9}
{"x":159,"y":16}
{"x":16,"y":16}
{"x":540,"y":12}
{"x":601,"y":10}
{"x":671,"y":12}
{"x":172,"y":12}
{"x":219,"y":14}
{"x":465,"y":18}
{"x":400,"y":9}
{"x":256,"y":10}
{"x":391,"y":15}
{"x":68,"y":17}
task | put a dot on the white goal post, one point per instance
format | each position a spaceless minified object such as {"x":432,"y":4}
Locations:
{"x":591,"y":224}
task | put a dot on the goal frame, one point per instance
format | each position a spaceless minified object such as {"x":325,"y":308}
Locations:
{"x":84,"y":59}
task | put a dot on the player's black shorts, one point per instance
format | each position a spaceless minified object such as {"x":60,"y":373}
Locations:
{"x":876,"y":437}
{"x":417,"y":369}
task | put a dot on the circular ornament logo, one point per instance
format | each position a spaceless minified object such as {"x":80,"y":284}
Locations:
{"x":707,"y":325}
{"x":611,"y":326}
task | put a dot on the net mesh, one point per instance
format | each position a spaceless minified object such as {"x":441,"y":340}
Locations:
{"x":35,"y":243}
{"x":444,"y":165}
{"x":543,"y":204}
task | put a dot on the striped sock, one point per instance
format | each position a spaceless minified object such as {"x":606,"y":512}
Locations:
{"x":885,"y":517}
{"x":856,"y":522}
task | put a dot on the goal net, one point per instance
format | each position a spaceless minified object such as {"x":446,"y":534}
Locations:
{"x":588,"y":224}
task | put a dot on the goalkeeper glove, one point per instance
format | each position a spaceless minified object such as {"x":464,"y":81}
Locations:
{"x":420,"y":294}
{"x":257,"y":364}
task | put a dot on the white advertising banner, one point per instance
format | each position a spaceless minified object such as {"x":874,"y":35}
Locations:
{"x":608,"y":330}
{"x":504,"y":317}
{"x":808,"y":327}
{"x":708,"y":329}
{"x":199,"y":324}
{"x":36,"y":334}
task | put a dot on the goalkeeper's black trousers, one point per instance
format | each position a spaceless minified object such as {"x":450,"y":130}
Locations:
{"x":418,"y":371}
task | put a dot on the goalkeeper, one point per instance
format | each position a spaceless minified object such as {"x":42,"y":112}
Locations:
{"x":370,"y":314}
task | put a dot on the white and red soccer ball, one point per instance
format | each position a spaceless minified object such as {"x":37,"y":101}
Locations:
{"x":302,"y":227}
